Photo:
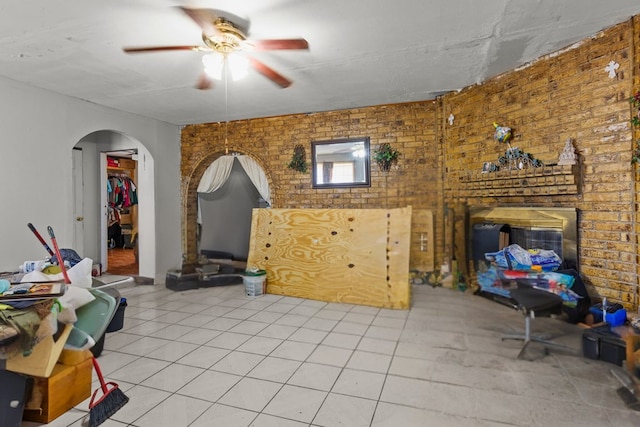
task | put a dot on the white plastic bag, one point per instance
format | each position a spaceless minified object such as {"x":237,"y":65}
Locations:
{"x":79,"y":274}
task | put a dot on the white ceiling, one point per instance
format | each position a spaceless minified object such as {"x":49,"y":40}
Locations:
{"x":362,"y":52}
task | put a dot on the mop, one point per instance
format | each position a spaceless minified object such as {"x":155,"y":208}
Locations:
{"x":112,"y":397}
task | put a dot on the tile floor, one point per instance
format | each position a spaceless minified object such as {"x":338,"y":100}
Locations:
{"x":215,"y":357}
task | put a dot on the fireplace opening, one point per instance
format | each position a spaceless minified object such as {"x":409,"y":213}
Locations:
{"x":493,"y":228}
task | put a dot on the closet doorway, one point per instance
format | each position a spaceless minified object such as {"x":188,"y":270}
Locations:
{"x":122,"y":213}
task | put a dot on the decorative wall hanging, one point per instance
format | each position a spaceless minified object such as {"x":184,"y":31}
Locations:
{"x":299,"y":159}
{"x":502,"y":133}
{"x":612,"y":68}
{"x":385,"y":156}
{"x":513,"y":158}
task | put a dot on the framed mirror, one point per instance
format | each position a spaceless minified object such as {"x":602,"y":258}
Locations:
{"x":340,"y":163}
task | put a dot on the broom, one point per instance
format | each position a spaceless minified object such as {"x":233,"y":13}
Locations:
{"x":60,"y":260}
{"x":111,"y":401}
{"x":112,"y":398}
{"x":35,"y":232}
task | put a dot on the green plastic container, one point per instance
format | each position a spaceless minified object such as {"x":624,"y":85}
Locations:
{"x":93,"y":319}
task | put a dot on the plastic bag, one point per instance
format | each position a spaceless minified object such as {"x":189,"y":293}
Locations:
{"x":514,"y":257}
{"x":79,"y":274}
{"x":68,"y":255}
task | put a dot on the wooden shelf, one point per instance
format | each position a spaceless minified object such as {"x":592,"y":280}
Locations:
{"x":118,"y":169}
{"x":544,"y":181}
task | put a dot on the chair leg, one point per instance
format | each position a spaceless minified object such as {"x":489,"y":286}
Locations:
{"x":527,"y":338}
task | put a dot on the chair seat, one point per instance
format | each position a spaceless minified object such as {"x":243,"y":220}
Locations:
{"x":541,"y":302}
{"x":536,"y":303}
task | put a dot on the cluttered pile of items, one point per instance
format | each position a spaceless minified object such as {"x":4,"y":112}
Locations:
{"x":541,"y":268}
{"x":50,"y":320}
{"x":610,"y":333}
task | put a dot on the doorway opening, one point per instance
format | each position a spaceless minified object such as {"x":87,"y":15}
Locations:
{"x":122,"y":212}
{"x":91,"y":197}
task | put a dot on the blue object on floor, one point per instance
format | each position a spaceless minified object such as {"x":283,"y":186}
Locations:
{"x":615,"y":315}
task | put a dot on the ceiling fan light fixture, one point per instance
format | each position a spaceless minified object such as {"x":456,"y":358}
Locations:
{"x":238,"y":66}
{"x":229,"y":48}
{"x":213,"y":65}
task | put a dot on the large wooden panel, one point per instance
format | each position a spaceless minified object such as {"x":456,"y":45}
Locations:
{"x":399,"y":247}
{"x":358,"y":256}
{"x":422,"y":239}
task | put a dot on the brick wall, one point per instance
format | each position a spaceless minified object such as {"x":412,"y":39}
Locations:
{"x":416,"y":180}
{"x":635,"y":59}
{"x":565,"y":95}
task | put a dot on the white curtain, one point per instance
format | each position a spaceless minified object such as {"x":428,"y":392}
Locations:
{"x":218,"y":173}
{"x":257,"y":177}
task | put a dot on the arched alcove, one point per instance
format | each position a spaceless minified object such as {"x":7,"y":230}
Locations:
{"x":190,"y":203}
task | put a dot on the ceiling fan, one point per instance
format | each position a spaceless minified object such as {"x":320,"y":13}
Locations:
{"x":226,"y":40}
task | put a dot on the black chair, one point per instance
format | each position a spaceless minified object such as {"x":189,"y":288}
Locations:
{"x":536,"y":302}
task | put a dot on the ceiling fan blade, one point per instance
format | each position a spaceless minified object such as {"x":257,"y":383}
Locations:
{"x":204,"y":18}
{"x":270,"y":73}
{"x":162,"y":48}
{"x":204,"y":82}
{"x":278,"y":44}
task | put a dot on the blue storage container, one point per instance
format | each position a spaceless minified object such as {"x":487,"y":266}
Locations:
{"x":614,"y":314}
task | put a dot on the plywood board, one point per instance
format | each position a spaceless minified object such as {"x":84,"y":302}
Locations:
{"x":399,"y":247}
{"x":358,"y":256}
{"x":422,"y":241}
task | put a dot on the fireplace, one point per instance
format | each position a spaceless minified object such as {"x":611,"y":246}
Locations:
{"x":492,"y":228}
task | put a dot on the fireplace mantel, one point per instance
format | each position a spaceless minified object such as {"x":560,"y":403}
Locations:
{"x":544,"y":181}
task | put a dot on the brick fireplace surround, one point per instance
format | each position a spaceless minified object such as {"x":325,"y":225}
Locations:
{"x":563,"y":95}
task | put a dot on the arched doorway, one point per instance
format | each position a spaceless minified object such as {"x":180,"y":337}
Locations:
{"x":93,"y":204}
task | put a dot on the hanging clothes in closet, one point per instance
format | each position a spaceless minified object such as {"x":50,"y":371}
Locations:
{"x":122,"y":191}
{"x":122,"y":194}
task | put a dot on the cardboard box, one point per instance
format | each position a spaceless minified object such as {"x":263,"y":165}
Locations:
{"x":127,"y":163}
{"x":125,"y":219}
{"x":51,"y":397}
{"x":41,"y":361}
{"x":74,"y":357}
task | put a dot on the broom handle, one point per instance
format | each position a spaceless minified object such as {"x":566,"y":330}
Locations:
{"x":103,"y":385}
{"x":33,"y":229}
{"x":60,"y":260}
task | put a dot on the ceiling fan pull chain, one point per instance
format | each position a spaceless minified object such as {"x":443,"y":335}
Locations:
{"x":226,"y":108}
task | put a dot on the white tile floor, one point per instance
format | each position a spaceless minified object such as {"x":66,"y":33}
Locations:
{"x":215,"y":357}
